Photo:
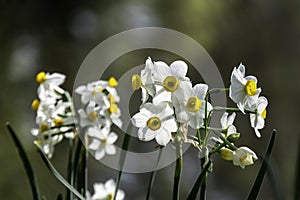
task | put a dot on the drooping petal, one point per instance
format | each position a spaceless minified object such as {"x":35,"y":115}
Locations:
{"x":179,"y":69}
{"x":200,"y":91}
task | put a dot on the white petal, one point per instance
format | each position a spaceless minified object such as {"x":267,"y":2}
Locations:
{"x":179,"y":69}
{"x":80,"y":89}
{"x":170,"y":124}
{"x":160,"y":71}
{"x":168,"y":111}
{"x":139,"y":120}
{"x":200,"y":91}
{"x":120,"y":195}
{"x":112,"y":138}
{"x":161,"y":95}
{"x":110,"y":186}
{"x":94,"y":144}
{"x":110,"y":149}
{"x":99,"y":154}
{"x":163,"y":137}
{"x":146,"y":134}
{"x":223,"y":120}
{"x":231,"y":119}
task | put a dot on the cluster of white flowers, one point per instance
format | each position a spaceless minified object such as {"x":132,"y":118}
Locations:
{"x":106,"y":191}
{"x":170,"y":102}
{"x":100,"y":99}
{"x":55,"y":115}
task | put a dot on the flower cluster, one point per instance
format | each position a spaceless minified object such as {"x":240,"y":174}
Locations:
{"x":171,"y":104}
{"x":106,"y":191}
{"x":55,"y":115}
{"x":100,"y":99}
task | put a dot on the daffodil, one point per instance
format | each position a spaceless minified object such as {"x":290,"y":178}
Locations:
{"x":243,"y":156}
{"x":258,"y":120}
{"x":102,"y":141}
{"x":190,"y":104}
{"x":89,"y":117}
{"x":168,"y":80}
{"x":243,"y":90}
{"x":227,"y":123}
{"x":94,"y":91}
{"x":155,"y":121}
{"x":144,"y":81}
{"x":107,"y":191}
{"x":49,"y":85}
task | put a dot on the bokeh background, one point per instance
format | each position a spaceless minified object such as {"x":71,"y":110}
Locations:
{"x":56,"y":36}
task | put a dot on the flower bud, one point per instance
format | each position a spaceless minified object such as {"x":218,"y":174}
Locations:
{"x":233,"y":137}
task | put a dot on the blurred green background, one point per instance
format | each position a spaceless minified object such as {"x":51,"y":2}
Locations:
{"x":56,"y":36}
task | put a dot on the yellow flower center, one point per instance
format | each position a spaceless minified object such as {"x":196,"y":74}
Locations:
{"x":35,"y":104}
{"x":264,"y":114}
{"x":171,"y":83}
{"x":93,"y":116}
{"x":193,"y":104}
{"x":113,"y":108}
{"x":111,"y":98}
{"x":40,"y":77}
{"x":154,"y":123}
{"x":43,"y":127}
{"x":58,"y":122}
{"x":112,"y":82}
{"x":244,"y":158}
{"x":251,"y":88}
{"x":136,"y":82}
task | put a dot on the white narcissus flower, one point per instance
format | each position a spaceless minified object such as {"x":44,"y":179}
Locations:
{"x":107,"y":191}
{"x":155,"y":121}
{"x":258,"y":120}
{"x":227,"y":123}
{"x":243,"y":90}
{"x":243,"y":156}
{"x":189,"y":103}
{"x":167,"y":79}
{"x":94,"y":92}
{"x":102,"y":141}
{"x":49,"y":85}
{"x":144,"y":81}
{"x":90,"y":116}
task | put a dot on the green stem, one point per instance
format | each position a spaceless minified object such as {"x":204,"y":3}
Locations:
{"x":152,"y":176}
{"x":228,"y":143}
{"x":220,"y":108}
{"x":203,"y":182}
{"x":215,"y":90}
{"x":178,"y":170}
{"x":216,"y":149}
{"x":70,"y":179}
{"x":125,"y":146}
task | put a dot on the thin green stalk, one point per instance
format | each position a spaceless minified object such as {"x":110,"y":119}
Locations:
{"x":219,"y":108}
{"x":70,"y":179}
{"x":26,"y":163}
{"x":125,"y":146}
{"x":194,"y":191}
{"x":76,"y":160}
{"x":178,"y":170}
{"x":57,"y":174}
{"x":152,"y":176}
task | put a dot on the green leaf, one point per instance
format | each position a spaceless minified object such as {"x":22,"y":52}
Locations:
{"x":194,"y":191}
{"x":26,"y":163}
{"x":260,"y":176}
{"x":58,"y":176}
{"x":297,"y":179}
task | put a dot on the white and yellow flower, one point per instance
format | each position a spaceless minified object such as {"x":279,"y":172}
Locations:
{"x":189,"y":103}
{"x":155,"y":121}
{"x":168,"y":80}
{"x":258,"y":120}
{"x":49,"y":85}
{"x":102,"y":141}
{"x":144,"y":81}
{"x":106,"y":191}
{"x":227,"y":123}
{"x":243,"y":90}
{"x":91,"y":116}
{"x":243,"y":156}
